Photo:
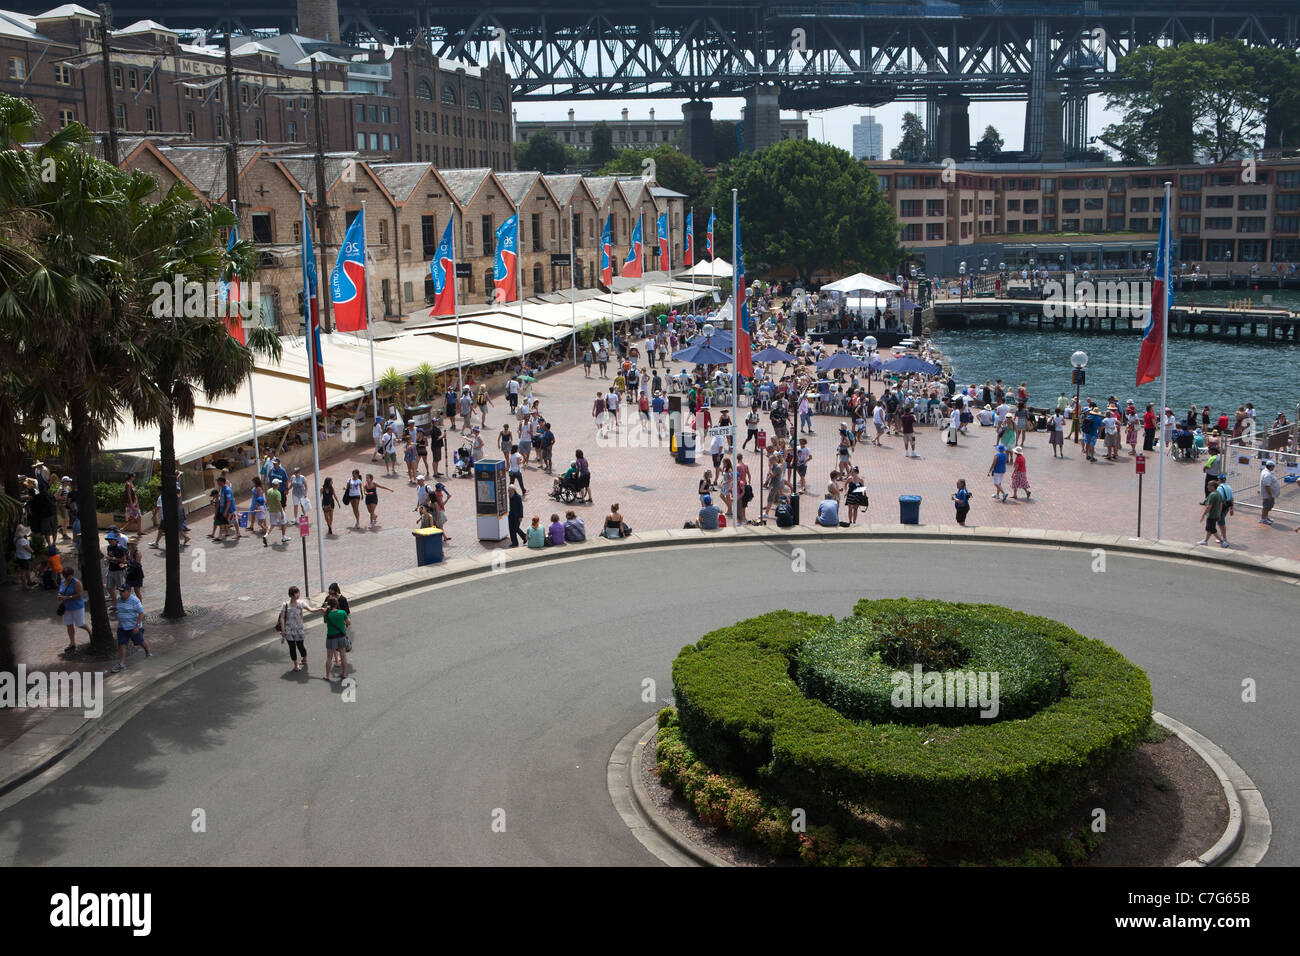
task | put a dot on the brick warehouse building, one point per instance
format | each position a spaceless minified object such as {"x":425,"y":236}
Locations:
{"x":1229,"y":215}
{"x":407,"y":205}
{"x":403,"y":103}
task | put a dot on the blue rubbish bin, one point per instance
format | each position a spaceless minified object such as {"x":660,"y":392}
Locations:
{"x":686,"y":448}
{"x":909,"y":509}
{"x":428,"y":546}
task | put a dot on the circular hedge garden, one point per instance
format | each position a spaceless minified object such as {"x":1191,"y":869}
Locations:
{"x":805,"y":705}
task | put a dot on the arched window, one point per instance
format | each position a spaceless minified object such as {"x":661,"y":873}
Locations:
{"x":474,"y":101}
{"x":424,"y":90}
{"x":498,"y":104}
{"x":449,"y":95}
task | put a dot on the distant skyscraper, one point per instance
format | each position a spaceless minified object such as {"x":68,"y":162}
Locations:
{"x":868,"y":139}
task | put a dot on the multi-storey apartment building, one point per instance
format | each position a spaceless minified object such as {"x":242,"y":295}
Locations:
{"x":398,"y":102}
{"x":1235,"y":212}
{"x":628,"y":133}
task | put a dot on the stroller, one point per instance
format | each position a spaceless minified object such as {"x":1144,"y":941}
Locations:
{"x":463,"y":461}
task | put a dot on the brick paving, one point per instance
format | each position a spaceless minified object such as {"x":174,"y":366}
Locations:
{"x":227,"y":581}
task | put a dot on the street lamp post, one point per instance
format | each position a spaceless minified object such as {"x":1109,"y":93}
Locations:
{"x":1080,"y":361}
{"x":870,"y":343}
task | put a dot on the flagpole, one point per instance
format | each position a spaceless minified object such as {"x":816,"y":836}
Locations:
{"x":735,"y":343}
{"x":455,"y":308}
{"x":311,"y":388}
{"x":668,"y":244}
{"x":365,"y":304}
{"x":252,"y":406}
{"x":1164,"y":356}
{"x":573,"y":288}
{"x":640,"y":224}
{"x":691,"y":239}
{"x":610,"y":223}
{"x":519,"y":285}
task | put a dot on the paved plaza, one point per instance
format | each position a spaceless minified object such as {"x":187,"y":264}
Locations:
{"x":227,"y":581}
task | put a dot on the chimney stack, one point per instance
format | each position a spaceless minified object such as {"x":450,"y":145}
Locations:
{"x":319,"y":19}
{"x":624,"y":114}
{"x":570,"y":115}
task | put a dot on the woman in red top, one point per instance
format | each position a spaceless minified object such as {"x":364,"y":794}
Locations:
{"x":1149,"y":428}
{"x":1022,"y":393}
{"x":1019,"y":474}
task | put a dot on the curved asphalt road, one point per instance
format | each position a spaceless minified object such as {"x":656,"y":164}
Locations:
{"x":509,"y":692}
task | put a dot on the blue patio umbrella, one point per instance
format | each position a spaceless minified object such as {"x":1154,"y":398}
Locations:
{"x":702,"y":354}
{"x":721,"y":339}
{"x":840,"y":360}
{"x":910,"y":363}
{"x":773,"y":355}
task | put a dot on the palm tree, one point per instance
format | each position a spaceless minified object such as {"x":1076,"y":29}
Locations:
{"x":179,"y":238}
{"x":65,"y":340}
{"x":425,"y":379}
{"x":392,"y":386}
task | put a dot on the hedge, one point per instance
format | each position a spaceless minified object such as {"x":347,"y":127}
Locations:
{"x":741,"y":710}
{"x":851,"y":664}
{"x":110,"y":496}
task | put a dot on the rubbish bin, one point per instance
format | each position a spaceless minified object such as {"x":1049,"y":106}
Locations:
{"x":428,"y":546}
{"x":686,"y":448}
{"x":909,"y":509}
{"x":794,"y":507}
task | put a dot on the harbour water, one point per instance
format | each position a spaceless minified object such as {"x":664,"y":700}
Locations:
{"x":1224,"y":374}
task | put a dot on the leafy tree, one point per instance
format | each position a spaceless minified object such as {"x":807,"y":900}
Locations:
{"x":602,"y":144}
{"x":673,"y":170}
{"x":1278,"y":76}
{"x":811,"y":206}
{"x":989,"y":146}
{"x":66,"y":343}
{"x":177,"y":237}
{"x":913,"y":146}
{"x":1200,"y":100}
{"x":543,"y":152}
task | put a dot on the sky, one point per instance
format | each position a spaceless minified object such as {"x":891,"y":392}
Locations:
{"x":830,"y":126}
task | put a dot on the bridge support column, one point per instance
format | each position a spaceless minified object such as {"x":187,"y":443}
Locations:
{"x":1053,"y":125}
{"x":697,"y":131}
{"x":761,"y":117}
{"x":319,"y":19}
{"x":1076,"y":126}
{"x":954,"y":129}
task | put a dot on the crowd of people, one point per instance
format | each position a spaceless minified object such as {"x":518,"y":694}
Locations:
{"x":786,"y":400}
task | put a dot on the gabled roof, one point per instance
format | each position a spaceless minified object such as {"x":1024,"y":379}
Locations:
{"x":145,"y":146}
{"x":633,"y":189}
{"x":562,"y":185}
{"x":144,"y":26}
{"x":662,"y":192}
{"x":518,"y":185}
{"x":67,"y":10}
{"x":19,"y":26}
{"x":303,"y":169}
{"x":465,"y":183}
{"x":601,"y":187}
{"x":205,"y":166}
{"x":400,"y":179}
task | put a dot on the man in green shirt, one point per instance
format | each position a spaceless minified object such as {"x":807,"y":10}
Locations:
{"x":275,"y":509}
{"x":1211,"y":513}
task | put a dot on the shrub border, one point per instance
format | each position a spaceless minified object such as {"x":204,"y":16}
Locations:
{"x":742,"y":711}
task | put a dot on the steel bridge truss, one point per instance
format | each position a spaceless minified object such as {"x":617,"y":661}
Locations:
{"x":823,"y":60}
